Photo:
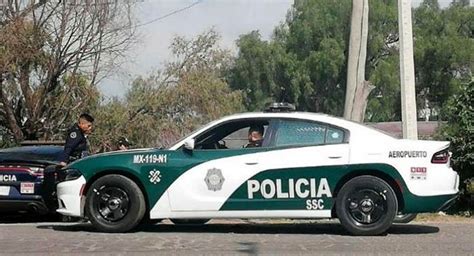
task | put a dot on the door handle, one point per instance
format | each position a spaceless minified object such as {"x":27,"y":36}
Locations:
{"x":251,"y":163}
{"x":334,"y":157}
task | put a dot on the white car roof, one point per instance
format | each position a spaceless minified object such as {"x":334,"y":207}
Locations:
{"x":353,"y":127}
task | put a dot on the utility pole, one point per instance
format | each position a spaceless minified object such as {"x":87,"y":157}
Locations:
{"x":407,"y":71}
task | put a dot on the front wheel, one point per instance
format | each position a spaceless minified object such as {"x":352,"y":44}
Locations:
{"x":366,"y":205}
{"x":114,"y":203}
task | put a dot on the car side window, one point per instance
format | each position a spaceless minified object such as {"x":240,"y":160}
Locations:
{"x":240,"y":138}
{"x":334,"y":136}
{"x":233,"y":135}
{"x":299,"y":132}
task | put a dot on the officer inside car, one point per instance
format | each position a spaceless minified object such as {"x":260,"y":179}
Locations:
{"x":255,"y":136}
{"x":76,"y":145}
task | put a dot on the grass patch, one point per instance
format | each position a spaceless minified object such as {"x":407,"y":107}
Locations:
{"x":442,"y":217}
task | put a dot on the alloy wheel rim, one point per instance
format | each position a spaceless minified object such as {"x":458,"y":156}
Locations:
{"x":366,"y":206}
{"x":112,"y":203}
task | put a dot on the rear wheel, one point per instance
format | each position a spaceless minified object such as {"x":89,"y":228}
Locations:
{"x":366,"y":205}
{"x":189,"y":221}
{"x":114,"y":203}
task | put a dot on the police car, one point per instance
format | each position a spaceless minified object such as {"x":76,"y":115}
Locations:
{"x":308,"y":166}
{"x":23,"y":187}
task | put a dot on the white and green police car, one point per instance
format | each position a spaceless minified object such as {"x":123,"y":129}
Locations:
{"x":308,"y":166}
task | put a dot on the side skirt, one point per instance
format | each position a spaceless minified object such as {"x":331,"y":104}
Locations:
{"x":310,"y":214}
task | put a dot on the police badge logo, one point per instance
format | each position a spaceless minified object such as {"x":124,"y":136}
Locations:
{"x":214,"y":179}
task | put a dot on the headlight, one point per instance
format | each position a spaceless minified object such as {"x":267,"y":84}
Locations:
{"x":71,"y":174}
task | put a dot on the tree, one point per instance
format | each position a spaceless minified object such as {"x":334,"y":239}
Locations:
{"x":444,"y":52}
{"x":265,"y":72}
{"x":53,"y":50}
{"x":306,"y":61}
{"x":459,"y":130}
{"x":163,"y":107}
{"x":357,"y":88}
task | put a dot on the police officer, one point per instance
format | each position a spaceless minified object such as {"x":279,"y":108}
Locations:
{"x":123,"y":143}
{"x":76,"y":142}
{"x":255,"y":136}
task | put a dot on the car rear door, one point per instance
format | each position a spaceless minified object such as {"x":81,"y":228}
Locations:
{"x":298,"y":171}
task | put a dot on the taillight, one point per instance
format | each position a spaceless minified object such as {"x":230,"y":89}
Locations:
{"x":441,"y":157}
{"x":37,"y":171}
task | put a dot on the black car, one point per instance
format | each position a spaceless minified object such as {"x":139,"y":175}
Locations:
{"x":23,"y":186}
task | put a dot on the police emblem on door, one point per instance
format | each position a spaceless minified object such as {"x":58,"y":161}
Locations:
{"x":214,"y":179}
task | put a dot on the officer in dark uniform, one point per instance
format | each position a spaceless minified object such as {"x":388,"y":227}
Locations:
{"x":123,"y":143}
{"x":76,"y":145}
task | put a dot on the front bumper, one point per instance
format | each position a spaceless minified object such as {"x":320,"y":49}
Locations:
{"x":70,"y":199}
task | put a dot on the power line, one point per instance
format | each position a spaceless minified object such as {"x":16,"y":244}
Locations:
{"x":169,"y":14}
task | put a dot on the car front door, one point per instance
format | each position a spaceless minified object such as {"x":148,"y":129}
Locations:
{"x":227,"y":163}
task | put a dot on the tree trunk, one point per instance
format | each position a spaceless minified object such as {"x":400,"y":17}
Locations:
{"x":357,"y":89}
{"x":9,"y":114}
{"x":360,"y":101}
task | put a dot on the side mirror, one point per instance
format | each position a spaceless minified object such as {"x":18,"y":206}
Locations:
{"x":189,"y":144}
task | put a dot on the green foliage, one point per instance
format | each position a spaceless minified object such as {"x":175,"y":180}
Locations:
{"x":111,"y":122}
{"x":305,"y":62}
{"x":161,"y":108}
{"x":444,"y":50}
{"x":460,"y":130}
{"x":384,"y":105}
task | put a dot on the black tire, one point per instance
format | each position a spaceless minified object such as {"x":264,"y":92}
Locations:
{"x":404,"y":218}
{"x":114,"y":203}
{"x":366,"y":205}
{"x":189,"y":221}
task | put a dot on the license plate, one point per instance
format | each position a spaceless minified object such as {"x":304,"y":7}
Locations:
{"x":27,"y":188}
{"x":4,"y":190}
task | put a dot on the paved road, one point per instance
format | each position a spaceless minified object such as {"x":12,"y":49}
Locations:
{"x":230,"y":237}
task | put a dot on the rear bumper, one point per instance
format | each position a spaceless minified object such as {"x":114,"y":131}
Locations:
{"x":449,"y":203}
{"x":36,"y":205}
{"x":419,"y":204}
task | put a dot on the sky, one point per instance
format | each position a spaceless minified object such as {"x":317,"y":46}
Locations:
{"x":231,"y":18}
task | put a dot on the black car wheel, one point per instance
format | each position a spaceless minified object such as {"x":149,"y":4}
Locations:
{"x":115,"y":203}
{"x":366,"y":205}
{"x":189,"y":221}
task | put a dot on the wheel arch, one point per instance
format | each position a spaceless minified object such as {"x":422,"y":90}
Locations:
{"x":396,"y":185}
{"x":129,"y":175}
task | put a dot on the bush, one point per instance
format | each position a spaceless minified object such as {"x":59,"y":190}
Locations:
{"x":459,"y":129}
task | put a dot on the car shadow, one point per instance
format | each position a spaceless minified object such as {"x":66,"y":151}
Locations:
{"x":20,"y":218}
{"x":252,"y":228}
